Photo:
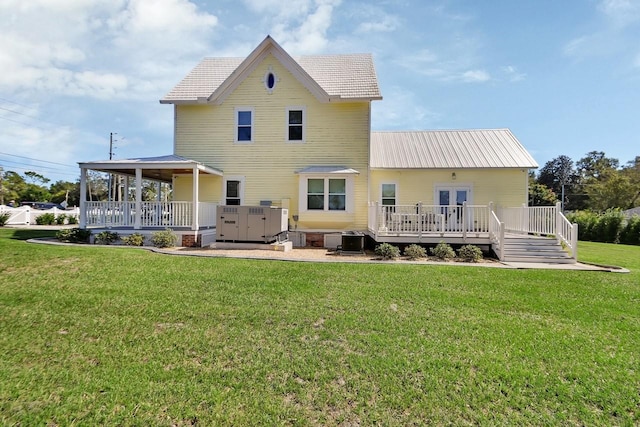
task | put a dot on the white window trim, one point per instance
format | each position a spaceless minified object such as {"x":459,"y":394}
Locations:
{"x":224,"y":188}
{"x":304,"y":124}
{"x":235,"y":128}
{"x":389,"y":182}
{"x":449,"y":187}
{"x":349,"y":195}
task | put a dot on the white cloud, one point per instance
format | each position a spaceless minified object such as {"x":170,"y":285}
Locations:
{"x":621,"y":12}
{"x":403,"y":109}
{"x":300,"y":26}
{"x":475,"y":76}
{"x":512,"y":74}
{"x":93,"y":48}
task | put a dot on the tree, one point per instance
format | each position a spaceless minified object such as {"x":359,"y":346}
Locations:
{"x":64,"y":191}
{"x":560,"y":176}
{"x":595,"y":165}
{"x":541,"y":195}
{"x":612,"y":190}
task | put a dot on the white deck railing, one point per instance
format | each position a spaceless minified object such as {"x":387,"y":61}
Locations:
{"x":152,"y":214}
{"x":472,"y":220}
{"x":496,"y":234}
{"x":425,"y":219}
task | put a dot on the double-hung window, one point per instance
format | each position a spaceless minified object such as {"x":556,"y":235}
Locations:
{"x":244,"y":125}
{"x":295,"y":124}
{"x":389,"y":194}
{"x":327,"y":194}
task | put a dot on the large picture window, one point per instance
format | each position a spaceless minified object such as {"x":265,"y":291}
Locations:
{"x":327,"y":194}
{"x":244,"y":125}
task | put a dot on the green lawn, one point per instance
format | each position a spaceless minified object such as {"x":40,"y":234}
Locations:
{"x":109,"y":336}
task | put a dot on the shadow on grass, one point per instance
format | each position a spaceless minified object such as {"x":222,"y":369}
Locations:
{"x":26,"y":234}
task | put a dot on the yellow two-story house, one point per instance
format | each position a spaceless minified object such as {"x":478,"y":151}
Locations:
{"x":294,"y":133}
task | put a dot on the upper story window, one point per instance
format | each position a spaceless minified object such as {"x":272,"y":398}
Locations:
{"x":244,"y":124}
{"x":295,"y":124}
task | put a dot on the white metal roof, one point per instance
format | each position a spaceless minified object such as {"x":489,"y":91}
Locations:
{"x":333,"y":77}
{"x":444,"y":149}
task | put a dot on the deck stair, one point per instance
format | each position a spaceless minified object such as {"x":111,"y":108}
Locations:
{"x":528,"y":248}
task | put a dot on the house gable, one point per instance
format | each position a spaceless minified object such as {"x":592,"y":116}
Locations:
{"x":330,"y":78}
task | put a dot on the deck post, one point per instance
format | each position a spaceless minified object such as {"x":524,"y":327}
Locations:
{"x":420,"y":222}
{"x":196,"y":192}
{"x":137,"y":222}
{"x":464,"y":221}
{"x":83,"y":198}
{"x":558,"y":221}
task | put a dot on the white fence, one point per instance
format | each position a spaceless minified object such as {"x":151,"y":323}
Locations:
{"x":26,"y":215}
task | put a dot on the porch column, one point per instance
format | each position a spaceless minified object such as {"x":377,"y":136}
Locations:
{"x":137,"y":223}
{"x":196,"y":192}
{"x":83,"y":198}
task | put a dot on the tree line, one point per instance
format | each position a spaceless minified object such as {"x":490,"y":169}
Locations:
{"x":595,"y":182}
{"x":34,"y":187}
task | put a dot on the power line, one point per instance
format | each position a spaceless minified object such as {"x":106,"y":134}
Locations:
{"x":38,"y":160}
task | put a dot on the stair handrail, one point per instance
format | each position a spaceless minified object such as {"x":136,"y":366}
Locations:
{"x":566,"y":232}
{"x":496,"y":233}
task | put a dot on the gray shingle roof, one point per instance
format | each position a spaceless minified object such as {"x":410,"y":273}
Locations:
{"x":348,"y":77}
{"x":444,"y":149}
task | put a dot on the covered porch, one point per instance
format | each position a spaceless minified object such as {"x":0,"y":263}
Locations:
{"x":470,"y":224}
{"x":191,"y":218}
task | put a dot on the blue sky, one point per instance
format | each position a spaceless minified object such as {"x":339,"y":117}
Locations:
{"x":564,"y":76}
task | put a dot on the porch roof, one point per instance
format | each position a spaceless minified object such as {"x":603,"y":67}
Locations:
{"x":159,"y":168}
{"x":446,"y":149}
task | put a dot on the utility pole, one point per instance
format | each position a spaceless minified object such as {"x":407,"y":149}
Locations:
{"x":1,"y":187}
{"x":111,"y":197}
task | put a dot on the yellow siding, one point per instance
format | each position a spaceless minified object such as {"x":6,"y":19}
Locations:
{"x":504,"y":187}
{"x":210,"y":188}
{"x":337,"y":134}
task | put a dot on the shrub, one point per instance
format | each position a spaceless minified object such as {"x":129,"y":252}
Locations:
{"x":444,"y":251}
{"x":387,"y":251}
{"x":608,"y":226}
{"x":60,"y":219}
{"x":415,"y":251}
{"x":46,"y":219}
{"x":106,"y":237}
{"x":72,"y":219}
{"x":164,"y":239}
{"x":586,"y":220}
{"x":135,"y":239}
{"x":470,"y":253}
{"x":74,"y":235}
{"x":630,"y":234}
{"x":4,"y":218}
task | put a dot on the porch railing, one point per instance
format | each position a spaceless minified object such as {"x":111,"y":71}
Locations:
{"x":428,"y":219}
{"x":473,"y":220}
{"x":152,"y":214}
